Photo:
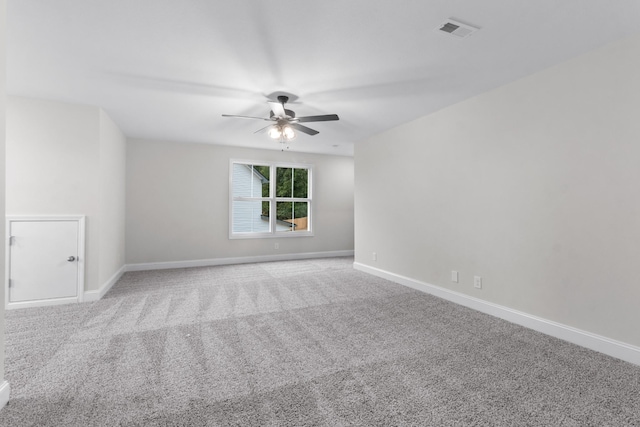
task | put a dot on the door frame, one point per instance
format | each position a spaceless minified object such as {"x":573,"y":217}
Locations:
{"x":80,"y":219}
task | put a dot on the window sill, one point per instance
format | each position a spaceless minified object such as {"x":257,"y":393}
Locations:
{"x":289,"y":235}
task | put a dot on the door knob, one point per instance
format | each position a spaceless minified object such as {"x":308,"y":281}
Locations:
{"x":71,"y":258}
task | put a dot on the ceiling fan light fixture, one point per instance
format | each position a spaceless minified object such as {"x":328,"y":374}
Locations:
{"x":288,"y":133}
{"x":275,"y":132}
{"x":282,"y":132}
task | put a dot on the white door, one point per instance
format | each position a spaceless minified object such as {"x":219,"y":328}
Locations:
{"x":43,"y":259}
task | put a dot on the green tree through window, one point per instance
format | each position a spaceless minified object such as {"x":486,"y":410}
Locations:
{"x":292,"y":183}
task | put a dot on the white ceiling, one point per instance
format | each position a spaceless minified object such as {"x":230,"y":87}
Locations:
{"x":167,"y":69}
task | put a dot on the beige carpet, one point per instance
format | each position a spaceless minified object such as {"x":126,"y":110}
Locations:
{"x":297,"y":343}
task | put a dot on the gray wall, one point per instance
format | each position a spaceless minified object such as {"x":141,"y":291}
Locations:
{"x":178,"y":203}
{"x":533,"y":186}
{"x":68,"y":159}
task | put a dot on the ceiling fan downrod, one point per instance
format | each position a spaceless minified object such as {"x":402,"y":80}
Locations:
{"x":283,"y":99}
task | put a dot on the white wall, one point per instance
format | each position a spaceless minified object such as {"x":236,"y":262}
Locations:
{"x":533,"y":186}
{"x":52,"y":164}
{"x":69,"y":159}
{"x":113,"y":151}
{"x":178,"y":203}
{"x":3,"y":8}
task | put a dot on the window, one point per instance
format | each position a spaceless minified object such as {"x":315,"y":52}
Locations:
{"x":269,"y":200}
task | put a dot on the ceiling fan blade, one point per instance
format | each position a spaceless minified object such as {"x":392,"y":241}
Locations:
{"x":304,"y":129}
{"x":245,"y":117}
{"x":324,"y":118}
{"x":277,"y":108}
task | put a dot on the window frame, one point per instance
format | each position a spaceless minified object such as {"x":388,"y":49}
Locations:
{"x":273,"y":200}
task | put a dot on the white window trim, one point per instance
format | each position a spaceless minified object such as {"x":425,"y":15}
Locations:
{"x":272,"y":190}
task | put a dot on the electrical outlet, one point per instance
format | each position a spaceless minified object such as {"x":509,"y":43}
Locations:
{"x":276,"y":246}
{"x":454,"y":276}
{"x":477,"y":282}
{"x":374,"y":256}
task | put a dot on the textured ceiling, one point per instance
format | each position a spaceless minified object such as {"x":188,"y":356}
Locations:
{"x":166,"y":69}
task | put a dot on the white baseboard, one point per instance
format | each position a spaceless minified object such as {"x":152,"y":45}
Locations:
{"x":617,"y":349}
{"x":236,"y":260}
{"x":40,"y":303}
{"x":96,"y":295}
{"x":5,"y":390}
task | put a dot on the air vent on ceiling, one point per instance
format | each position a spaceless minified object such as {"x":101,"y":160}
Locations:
{"x":457,"y":29}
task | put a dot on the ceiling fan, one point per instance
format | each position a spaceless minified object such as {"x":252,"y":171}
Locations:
{"x":285,"y":121}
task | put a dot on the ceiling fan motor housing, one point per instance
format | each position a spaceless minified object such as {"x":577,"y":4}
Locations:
{"x":289,"y":113}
